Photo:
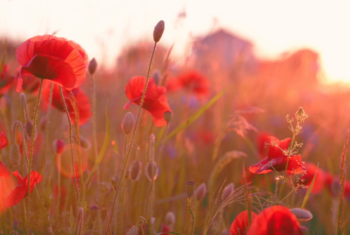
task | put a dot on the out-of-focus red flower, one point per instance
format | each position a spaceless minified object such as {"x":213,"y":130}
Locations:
{"x":5,"y":80}
{"x":22,"y":187}
{"x":307,"y":178}
{"x":262,"y":138}
{"x":192,"y":81}
{"x":6,"y":185}
{"x":3,"y":140}
{"x":155,"y":101}
{"x":333,"y":185}
{"x":240,"y":223}
{"x":275,"y":220}
{"x":277,"y":159}
{"x":59,"y":60}
{"x":64,"y":164}
{"x":83,"y":102}
{"x":4,"y":172}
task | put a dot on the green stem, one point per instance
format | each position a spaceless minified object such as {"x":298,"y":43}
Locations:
{"x":47,"y":130}
{"x":71,"y":146}
{"x":32,"y":149}
{"x":120,"y":220}
{"x":285,"y":171}
{"x":132,"y":138}
{"x":189,"y":208}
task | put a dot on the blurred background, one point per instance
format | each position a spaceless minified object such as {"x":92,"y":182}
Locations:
{"x":272,"y":27}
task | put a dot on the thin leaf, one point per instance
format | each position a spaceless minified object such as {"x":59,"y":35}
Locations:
{"x":309,"y":190}
{"x":194,"y":116}
{"x":102,"y":152}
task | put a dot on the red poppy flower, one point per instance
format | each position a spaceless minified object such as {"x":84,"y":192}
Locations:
{"x":56,"y":59}
{"x":3,"y":140}
{"x":275,"y":220}
{"x":5,"y":80}
{"x":22,"y":187}
{"x":240,"y":223}
{"x":155,"y":101}
{"x":263,"y":138}
{"x":307,"y":178}
{"x":193,"y":81}
{"x":83,"y":102}
{"x":277,"y":159}
{"x":4,"y":172}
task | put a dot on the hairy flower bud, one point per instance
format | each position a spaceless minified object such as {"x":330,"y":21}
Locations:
{"x":190,"y":188}
{"x":156,"y":77}
{"x":58,"y":146}
{"x":152,"y":170}
{"x":201,"y":191}
{"x":167,"y":116}
{"x":15,"y":154}
{"x":85,"y":143}
{"x":302,"y":214}
{"x":128,"y":123}
{"x":92,"y":66}
{"x":170,"y":219}
{"x":158,"y":31}
{"x":15,"y":225}
{"x":228,"y":190}
{"x":93,"y":211}
{"x":29,"y":128}
{"x":135,"y":170}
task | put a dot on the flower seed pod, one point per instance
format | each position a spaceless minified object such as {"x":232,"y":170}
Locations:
{"x":190,"y":188}
{"x":128,"y":123}
{"x":85,"y":143}
{"x":15,"y":155}
{"x":58,"y":146}
{"x":228,"y":190}
{"x":93,"y":211}
{"x":302,"y":214}
{"x":158,"y":31}
{"x":92,"y":66}
{"x":167,"y":116}
{"x":156,"y":77}
{"x":152,"y":170}
{"x":170,"y":219}
{"x":135,"y":170}
{"x":200,"y":192}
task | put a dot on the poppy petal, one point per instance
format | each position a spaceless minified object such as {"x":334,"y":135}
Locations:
{"x":16,"y":195}
{"x":3,"y":140}
{"x":4,"y":172}
{"x":240,"y":223}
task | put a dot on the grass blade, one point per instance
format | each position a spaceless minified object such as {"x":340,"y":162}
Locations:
{"x":309,"y":190}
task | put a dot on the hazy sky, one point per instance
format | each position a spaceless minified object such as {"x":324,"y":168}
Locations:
{"x":103,"y":27}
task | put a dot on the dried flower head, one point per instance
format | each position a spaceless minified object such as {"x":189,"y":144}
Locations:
{"x":190,"y":188}
{"x":300,"y":115}
{"x":158,"y":31}
{"x":128,"y":123}
{"x":92,"y":66}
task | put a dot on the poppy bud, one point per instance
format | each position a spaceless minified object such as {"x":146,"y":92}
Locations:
{"x":15,"y":225}
{"x":43,"y":124}
{"x":29,"y":128}
{"x":15,"y":154}
{"x":228,"y":190}
{"x":128,"y":123}
{"x":170,"y":218}
{"x":167,"y":116}
{"x":156,"y":77}
{"x":201,"y":191}
{"x":158,"y":31}
{"x":93,"y":211}
{"x":92,"y":66}
{"x":85,"y":143}
{"x":135,"y":170}
{"x":58,"y":146}
{"x":152,"y":170}
{"x":302,"y":214}
{"x":190,"y":188}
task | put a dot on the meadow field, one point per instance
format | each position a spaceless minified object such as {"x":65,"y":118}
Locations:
{"x":221,"y":143}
